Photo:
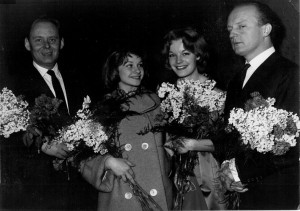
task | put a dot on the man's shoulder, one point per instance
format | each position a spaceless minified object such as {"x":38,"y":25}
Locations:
{"x":278,"y":60}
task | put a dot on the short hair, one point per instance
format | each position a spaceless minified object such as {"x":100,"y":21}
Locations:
{"x":110,"y":72}
{"x":192,"y":40}
{"x":45,"y":19}
{"x":267,"y":15}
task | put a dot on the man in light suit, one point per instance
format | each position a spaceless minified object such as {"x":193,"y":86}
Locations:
{"x":272,"y":183}
{"x":43,"y":187}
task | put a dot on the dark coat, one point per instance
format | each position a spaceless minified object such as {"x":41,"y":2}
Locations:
{"x":145,"y":151}
{"x":272,"y":182}
{"x":38,"y":185}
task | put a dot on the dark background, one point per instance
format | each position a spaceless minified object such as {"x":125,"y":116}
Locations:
{"x":93,"y":28}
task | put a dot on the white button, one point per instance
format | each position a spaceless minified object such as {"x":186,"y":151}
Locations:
{"x":128,"y":195}
{"x":128,"y":147}
{"x":145,"y":146}
{"x":153,"y":192}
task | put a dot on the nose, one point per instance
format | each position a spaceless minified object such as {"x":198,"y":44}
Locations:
{"x":137,"y":69}
{"x":46,"y":44}
{"x":232,"y":34}
{"x":179,"y":59}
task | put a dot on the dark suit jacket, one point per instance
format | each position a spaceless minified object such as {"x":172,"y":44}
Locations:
{"x":40,"y":186}
{"x":273,"y":182}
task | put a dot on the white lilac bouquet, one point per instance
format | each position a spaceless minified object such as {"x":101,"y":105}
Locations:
{"x":175,"y":98}
{"x":14,"y":115}
{"x":83,"y":136}
{"x":190,"y":109}
{"x":265,"y":128}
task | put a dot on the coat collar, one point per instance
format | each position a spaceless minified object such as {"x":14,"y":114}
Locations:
{"x":143,"y":103}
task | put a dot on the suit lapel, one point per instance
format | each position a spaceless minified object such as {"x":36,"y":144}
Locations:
{"x":256,"y":81}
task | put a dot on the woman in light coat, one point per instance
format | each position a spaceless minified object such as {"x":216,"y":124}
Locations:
{"x":143,"y":160}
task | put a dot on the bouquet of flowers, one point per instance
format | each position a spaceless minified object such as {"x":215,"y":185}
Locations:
{"x":95,"y":132}
{"x":190,"y":109}
{"x":13,"y":113}
{"x":45,"y":120}
{"x":84,"y":137}
{"x":263,"y":127}
{"x":263,"y":131}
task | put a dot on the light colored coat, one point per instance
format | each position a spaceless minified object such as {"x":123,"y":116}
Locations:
{"x":145,"y":151}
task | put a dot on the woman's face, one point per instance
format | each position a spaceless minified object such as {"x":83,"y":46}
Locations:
{"x":131,"y":73}
{"x":182,"y":61}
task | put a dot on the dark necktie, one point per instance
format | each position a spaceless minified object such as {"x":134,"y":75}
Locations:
{"x":57,"y":88}
{"x":244,"y":72}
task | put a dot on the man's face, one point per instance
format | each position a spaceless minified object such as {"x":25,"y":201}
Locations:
{"x":246,"y":35}
{"x":44,"y":44}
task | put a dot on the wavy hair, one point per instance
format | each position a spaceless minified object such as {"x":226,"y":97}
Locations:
{"x":192,"y":40}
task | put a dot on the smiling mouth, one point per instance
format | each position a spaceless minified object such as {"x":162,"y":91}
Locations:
{"x":236,"y":43}
{"x":136,"y":77}
{"x":47,"y":54}
{"x":181,"y":67}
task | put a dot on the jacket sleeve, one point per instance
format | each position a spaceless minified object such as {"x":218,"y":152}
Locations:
{"x":287,"y":92}
{"x":93,"y":171}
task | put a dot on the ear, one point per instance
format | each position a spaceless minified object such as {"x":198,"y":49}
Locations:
{"x":27,"y":44}
{"x":267,"y":28}
{"x":62,"y":43}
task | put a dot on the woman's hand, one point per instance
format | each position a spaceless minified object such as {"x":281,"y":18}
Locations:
{"x":189,"y":144}
{"x":121,"y":168}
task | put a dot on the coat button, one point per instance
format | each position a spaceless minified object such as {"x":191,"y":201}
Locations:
{"x":128,"y":195}
{"x":153,"y":192}
{"x":128,"y":147}
{"x":145,"y":146}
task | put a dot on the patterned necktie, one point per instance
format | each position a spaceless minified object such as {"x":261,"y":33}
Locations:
{"x":244,"y":72}
{"x":56,"y":85}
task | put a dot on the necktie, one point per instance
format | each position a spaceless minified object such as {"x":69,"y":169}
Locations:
{"x":244,"y":72}
{"x":56,"y":85}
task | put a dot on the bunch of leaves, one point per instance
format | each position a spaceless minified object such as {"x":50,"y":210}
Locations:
{"x":46,"y":117}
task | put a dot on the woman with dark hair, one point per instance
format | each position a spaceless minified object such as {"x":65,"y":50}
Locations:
{"x":141,"y":158}
{"x":186,"y":53}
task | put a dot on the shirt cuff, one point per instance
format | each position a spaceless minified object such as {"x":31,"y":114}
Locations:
{"x":233,"y":170}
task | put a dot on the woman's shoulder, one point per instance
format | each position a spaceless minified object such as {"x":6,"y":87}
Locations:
{"x":152,"y":95}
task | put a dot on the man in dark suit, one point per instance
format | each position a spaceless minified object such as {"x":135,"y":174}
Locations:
{"x":272,"y":183}
{"x":43,"y":187}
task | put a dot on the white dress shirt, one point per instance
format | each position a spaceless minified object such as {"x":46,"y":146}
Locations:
{"x":256,"y":62}
{"x":43,"y":71}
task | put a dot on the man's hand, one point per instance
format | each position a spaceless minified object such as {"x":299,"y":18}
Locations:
{"x":228,"y":180}
{"x":58,"y":150}
{"x":32,"y":135}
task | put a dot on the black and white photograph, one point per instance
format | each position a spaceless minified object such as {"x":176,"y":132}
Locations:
{"x":147,"y":105}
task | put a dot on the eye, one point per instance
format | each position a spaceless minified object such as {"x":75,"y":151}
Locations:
{"x":52,"y":40}
{"x":38,"y":40}
{"x":186,"y":53}
{"x":171,"y":55}
{"x":242,"y":26}
{"x":141,"y":65}
{"x":129,"y":65}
